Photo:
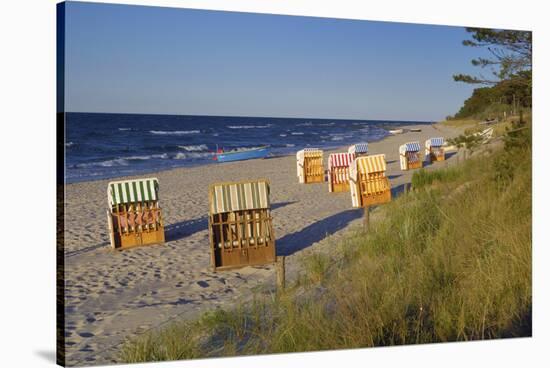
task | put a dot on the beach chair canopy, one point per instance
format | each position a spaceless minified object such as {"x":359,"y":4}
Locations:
{"x":340,"y":160}
{"x":230,"y":197}
{"x":367,"y":165}
{"x":435,"y":142}
{"x":409,"y":147}
{"x":359,"y":148}
{"x":132,"y":191}
{"x":308,"y":152}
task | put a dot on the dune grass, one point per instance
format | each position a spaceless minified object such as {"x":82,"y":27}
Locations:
{"x":448,"y":261}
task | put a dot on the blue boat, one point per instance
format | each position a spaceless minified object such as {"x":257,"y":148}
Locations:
{"x":259,"y":152}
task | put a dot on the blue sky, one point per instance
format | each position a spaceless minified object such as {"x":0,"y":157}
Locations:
{"x":137,"y":59}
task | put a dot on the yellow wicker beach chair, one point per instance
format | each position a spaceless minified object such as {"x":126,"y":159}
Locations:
{"x":434,"y":149}
{"x":409,"y":156}
{"x":368,"y":182}
{"x":134,"y":215}
{"x":240,"y":224}
{"x":338,"y":171}
{"x":309,"y":165}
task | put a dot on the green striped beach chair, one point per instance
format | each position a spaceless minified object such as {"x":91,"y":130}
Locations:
{"x":240,"y":224}
{"x":134,"y":214}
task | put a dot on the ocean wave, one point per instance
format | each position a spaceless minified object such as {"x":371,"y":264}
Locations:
{"x":297,"y":133}
{"x":174,"y":132}
{"x":249,"y":126}
{"x":122,"y":161}
{"x":195,"y":148}
{"x":282,"y":135}
{"x":124,"y":129}
{"x":187,"y":155}
{"x":290,"y":145}
{"x":68,"y":144}
{"x":309,"y":123}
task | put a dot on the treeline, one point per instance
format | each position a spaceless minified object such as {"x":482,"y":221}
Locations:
{"x":509,"y":84}
{"x":501,"y":100}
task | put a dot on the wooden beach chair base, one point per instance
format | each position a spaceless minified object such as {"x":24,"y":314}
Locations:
{"x":375,"y":190}
{"x":241,"y":238}
{"x":414,"y":165}
{"x":135,"y":235}
{"x":314,"y":170}
{"x":376,"y":198}
{"x":340,"y":187}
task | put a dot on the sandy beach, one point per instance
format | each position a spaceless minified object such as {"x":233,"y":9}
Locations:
{"x":112,"y":295}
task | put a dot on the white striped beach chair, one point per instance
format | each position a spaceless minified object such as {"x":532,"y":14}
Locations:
{"x":240,"y":224}
{"x":368,"y":182}
{"x":409,"y":156}
{"x":338,"y":171}
{"x":309,"y":166}
{"x":434,"y":149}
{"x":359,"y":149}
{"x":134,"y":215}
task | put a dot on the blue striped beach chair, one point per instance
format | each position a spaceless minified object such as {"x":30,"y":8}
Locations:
{"x":240,"y":224}
{"x":434,"y":149}
{"x":368,"y":182}
{"x":134,"y":215}
{"x":359,"y":149}
{"x":409,"y":156}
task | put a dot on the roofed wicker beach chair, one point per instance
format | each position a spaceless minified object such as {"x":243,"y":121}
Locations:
{"x":309,"y":165}
{"x":338,"y":171}
{"x":409,"y":156}
{"x":359,"y":149}
{"x":368,"y":182}
{"x":134,"y":215}
{"x":434,"y":149}
{"x":240,"y":224}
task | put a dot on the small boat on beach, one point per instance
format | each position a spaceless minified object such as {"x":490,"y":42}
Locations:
{"x":416,"y":130}
{"x":240,"y":155}
{"x":396,"y":131}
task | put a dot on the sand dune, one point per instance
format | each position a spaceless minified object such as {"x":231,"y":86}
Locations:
{"x":112,"y":295}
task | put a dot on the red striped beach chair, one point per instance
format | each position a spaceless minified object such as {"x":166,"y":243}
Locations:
{"x":368,"y":182}
{"x":134,"y":215}
{"x":309,"y":165}
{"x":409,"y":156}
{"x":338,"y":171}
{"x":240,"y":224}
{"x":434,"y":149}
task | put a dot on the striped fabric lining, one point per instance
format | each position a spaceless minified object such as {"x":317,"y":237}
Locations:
{"x":340,"y":160}
{"x":359,"y":148}
{"x":229,"y":197}
{"x":434,"y":142}
{"x":371,"y":164}
{"x":412,"y":147}
{"x":412,"y":156}
{"x":132,"y":191}
{"x":313,"y":153}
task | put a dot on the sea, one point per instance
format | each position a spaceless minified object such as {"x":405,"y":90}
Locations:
{"x":104,"y":145}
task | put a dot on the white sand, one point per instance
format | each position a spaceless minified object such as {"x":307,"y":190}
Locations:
{"x":111,"y":295}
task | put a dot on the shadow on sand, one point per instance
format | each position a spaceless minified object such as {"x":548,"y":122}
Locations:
{"x":292,"y":243}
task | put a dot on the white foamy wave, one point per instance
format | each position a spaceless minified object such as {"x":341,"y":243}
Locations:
{"x":297,"y":133}
{"x":68,"y":144}
{"x":174,"y":132}
{"x":282,"y":135}
{"x":123,"y":129}
{"x":248,"y":126}
{"x":290,"y":145}
{"x":195,"y":148}
{"x":327,"y":124}
{"x":187,"y":155}
{"x":122,"y":161}
{"x":309,"y":123}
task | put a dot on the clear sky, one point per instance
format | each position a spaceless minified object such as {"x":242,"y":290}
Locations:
{"x":137,"y":59}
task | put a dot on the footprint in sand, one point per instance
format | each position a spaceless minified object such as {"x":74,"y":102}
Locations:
{"x":203,"y":284}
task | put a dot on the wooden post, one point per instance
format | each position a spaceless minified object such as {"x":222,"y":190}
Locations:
{"x":366,"y":218}
{"x":280,"y":273}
